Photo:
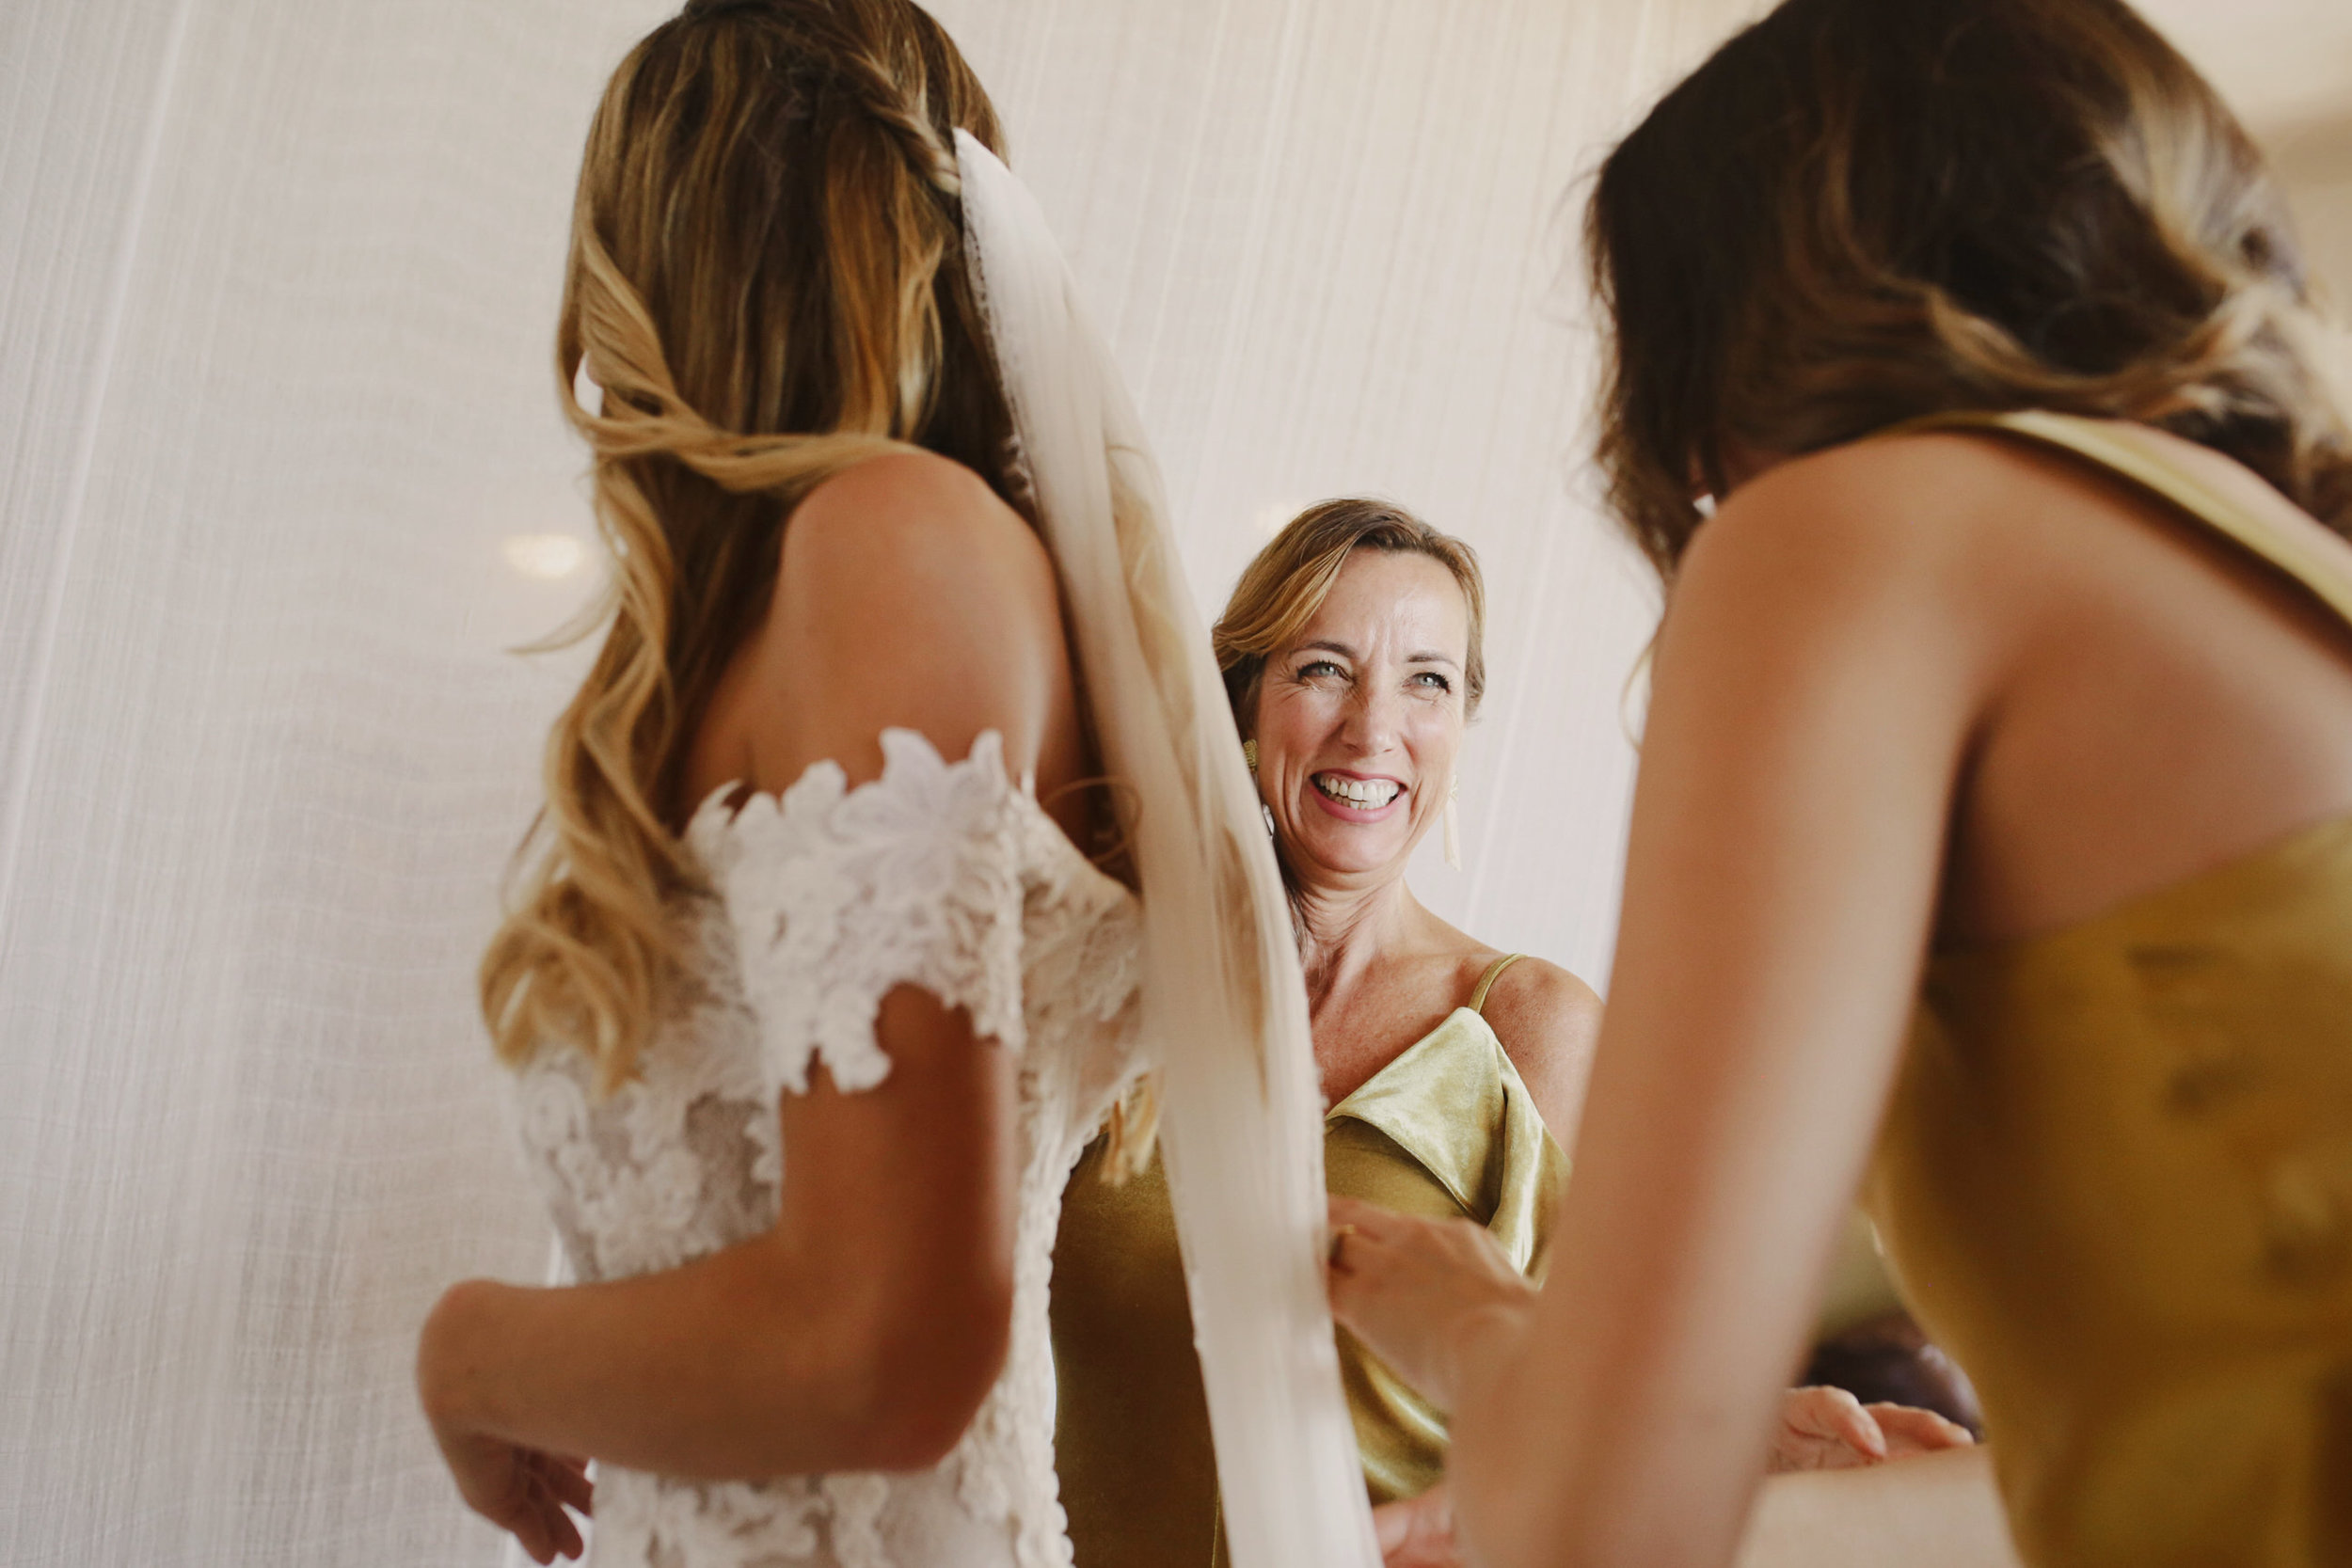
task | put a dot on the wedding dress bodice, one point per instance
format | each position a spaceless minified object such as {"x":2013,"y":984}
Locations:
{"x":944,"y":876}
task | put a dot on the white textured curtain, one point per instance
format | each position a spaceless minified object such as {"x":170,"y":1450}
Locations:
{"x":280,"y":479}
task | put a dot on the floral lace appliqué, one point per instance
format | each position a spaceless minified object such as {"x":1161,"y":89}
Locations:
{"x":839,"y":895}
{"x":943,"y":875}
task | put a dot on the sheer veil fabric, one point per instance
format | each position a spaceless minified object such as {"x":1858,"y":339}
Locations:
{"x":1224,"y":1008}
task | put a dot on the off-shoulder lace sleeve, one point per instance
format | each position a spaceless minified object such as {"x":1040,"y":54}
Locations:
{"x":838,"y":896}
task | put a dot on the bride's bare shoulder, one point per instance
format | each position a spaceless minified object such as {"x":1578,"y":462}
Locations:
{"x":902,"y":510}
{"x":907,"y":594}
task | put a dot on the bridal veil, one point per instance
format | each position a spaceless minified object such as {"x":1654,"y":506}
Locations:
{"x":1224,"y":1010}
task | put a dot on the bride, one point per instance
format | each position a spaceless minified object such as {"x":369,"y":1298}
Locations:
{"x":816,"y":982}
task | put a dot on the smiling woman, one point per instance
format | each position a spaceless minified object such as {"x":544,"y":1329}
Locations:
{"x":1353,"y":661}
{"x":1353,"y":654}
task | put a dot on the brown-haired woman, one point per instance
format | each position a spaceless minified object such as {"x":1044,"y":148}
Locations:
{"x":2003,"y":706}
{"x":812,"y":1002}
{"x":1353,"y":654}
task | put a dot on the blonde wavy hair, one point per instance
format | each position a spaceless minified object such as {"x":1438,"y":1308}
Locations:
{"x":766,"y":283}
{"x":1862,"y":211}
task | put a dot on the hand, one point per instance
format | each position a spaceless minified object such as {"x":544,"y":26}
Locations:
{"x":1430,"y":1297}
{"x":521,"y":1491}
{"x":1418,"y":1532}
{"x":1828,"y":1429}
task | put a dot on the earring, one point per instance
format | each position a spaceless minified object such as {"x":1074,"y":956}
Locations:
{"x":1250,"y":756}
{"x":1454,"y":823}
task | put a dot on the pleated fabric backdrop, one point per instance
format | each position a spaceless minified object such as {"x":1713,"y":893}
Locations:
{"x":281,"y":480}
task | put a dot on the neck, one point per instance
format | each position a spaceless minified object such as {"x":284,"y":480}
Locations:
{"x":1343,"y":930}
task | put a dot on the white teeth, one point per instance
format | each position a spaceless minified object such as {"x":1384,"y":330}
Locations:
{"x":1366,"y":794}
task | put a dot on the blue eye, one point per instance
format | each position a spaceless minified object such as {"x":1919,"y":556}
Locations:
{"x":1437,"y":682}
{"x":1321,"y":666}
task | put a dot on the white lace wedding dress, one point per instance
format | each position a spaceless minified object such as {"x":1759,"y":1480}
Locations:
{"x":944,"y":876}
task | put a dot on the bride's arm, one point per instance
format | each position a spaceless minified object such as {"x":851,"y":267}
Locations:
{"x":864,"y":1329}
{"x":1815,"y":686}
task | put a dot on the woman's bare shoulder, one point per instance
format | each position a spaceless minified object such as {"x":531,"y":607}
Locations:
{"x":1548,"y":1021}
{"x":1928,"y":500}
{"x":881,"y":517}
{"x":1543,"y":1003}
{"x":908,"y":594}
{"x":1927,"y":553}
{"x":1872,"y":507}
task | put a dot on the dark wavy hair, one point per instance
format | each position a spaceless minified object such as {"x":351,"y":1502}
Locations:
{"x":1861,"y":211}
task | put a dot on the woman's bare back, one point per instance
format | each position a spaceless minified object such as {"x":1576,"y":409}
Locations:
{"x":2166,"y":703}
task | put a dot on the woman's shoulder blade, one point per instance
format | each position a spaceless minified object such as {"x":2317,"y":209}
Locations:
{"x":908,"y":594}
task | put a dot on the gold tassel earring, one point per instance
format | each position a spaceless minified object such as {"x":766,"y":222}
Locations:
{"x":1250,"y":756}
{"x":1454,"y":823}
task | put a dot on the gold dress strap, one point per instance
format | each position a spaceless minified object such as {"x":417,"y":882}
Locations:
{"x":1486,"y":981}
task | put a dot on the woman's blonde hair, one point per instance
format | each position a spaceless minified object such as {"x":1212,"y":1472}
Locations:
{"x":766,"y":283}
{"x":1862,"y":211}
{"x":1286,"y":583}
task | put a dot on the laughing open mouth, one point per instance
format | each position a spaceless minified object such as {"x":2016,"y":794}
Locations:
{"x":1363,"y":794}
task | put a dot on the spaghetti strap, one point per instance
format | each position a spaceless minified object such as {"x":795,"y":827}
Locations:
{"x":1486,"y":981}
{"x":2111,"y":444}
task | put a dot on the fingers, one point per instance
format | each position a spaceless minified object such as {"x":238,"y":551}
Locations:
{"x":521,"y":1491}
{"x":1825,"y":1429}
{"x":1366,"y":1229}
{"x":1334,"y":1258}
{"x":1418,"y":1532}
{"x":1909,"y":1430}
{"x":1356,"y":1224}
{"x":533,"y":1510}
{"x":1821,"y":1411}
{"x":1392,"y":1526}
{"x":555,"y":1484}
{"x":544,"y":1530}
{"x":1351,"y":1218}
{"x":567,"y":1481}
{"x":566,"y":1534}
{"x":1355,"y":1212}
{"x":1343,"y":1225}
{"x":528,"y":1523}
{"x":1828,"y":1429}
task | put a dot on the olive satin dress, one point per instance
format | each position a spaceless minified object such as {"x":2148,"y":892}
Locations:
{"x":2115,"y":1179}
{"x":1447,"y":1129}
